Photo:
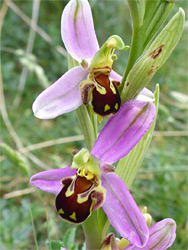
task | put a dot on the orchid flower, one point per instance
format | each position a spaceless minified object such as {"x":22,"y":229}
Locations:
{"x":93,"y":81}
{"x":91,"y":182}
{"x":161,"y":237}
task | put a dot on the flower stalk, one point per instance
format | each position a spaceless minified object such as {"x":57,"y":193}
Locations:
{"x":88,"y":125}
{"x":86,"y":122}
{"x":92,"y":232}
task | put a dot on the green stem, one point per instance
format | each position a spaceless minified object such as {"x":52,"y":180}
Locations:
{"x":135,"y":52}
{"x":136,"y":44}
{"x":94,"y":121}
{"x":88,"y":124}
{"x":92,"y":232}
{"x":90,"y":226}
{"x":83,"y":115}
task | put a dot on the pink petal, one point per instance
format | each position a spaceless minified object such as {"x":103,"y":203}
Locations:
{"x":124,"y":130}
{"x":77,"y":30}
{"x":122,"y":211}
{"x":161,"y":236}
{"x":115,"y":76}
{"x":61,"y":97}
{"x":50,"y":180}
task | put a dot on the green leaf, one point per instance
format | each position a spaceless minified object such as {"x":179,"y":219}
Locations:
{"x":137,"y":9}
{"x":147,"y":17}
{"x":157,"y":54}
{"x":74,"y":247}
{"x":130,"y":164}
{"x":54,"y":244}
{"x":141,"y":11}
{"x":15,"y":157}
{"x":134,"y":12}
{"x":156,"y":13}
{"x":69,"y":238}
{"x":103,"y":222}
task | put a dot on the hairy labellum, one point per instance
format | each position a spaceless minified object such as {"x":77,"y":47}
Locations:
{"x":106,"y":99}
{"x":103,"y":94}
{"x":79,"y":196}
{"x":67,"y":205}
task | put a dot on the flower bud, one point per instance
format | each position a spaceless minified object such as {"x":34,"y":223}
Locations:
{"x":147,"y":216}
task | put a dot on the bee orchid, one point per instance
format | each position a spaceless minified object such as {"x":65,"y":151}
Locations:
{"x":161,"y":237}
{"x":91,"y":181}
{"x":91,"y":82}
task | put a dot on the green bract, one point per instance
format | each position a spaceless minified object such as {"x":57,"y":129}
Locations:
{"x":129,"y":165}
{"x":154,"y":58}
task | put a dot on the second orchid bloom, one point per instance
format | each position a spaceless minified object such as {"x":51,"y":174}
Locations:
{"x":91,"y":182}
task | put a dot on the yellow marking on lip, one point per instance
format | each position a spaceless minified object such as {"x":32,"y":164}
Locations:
{"x":73,"y":216}
{"x":112,"y":88}
{"x":61,"y":211}
{"x":106,"y":107}
{"x":100,"y":89}
{"x":116,"y":106}
{"x":99,"y":118}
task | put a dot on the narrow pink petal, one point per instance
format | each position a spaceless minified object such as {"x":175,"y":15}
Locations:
{"x":50,"y":180}
{"x":124,"y":130}
{"x":161,"y":236}
{"x":122,"y":211}
{"x":77,"y":30}
{"x":61,"y":97}
{"x":115,"y":76}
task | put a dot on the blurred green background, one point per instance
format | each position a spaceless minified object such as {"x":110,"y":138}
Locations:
{"x":30,"y":61}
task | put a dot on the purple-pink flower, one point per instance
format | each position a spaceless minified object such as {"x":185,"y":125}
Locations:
{"x":96,"y":85}
{"x":94,"y":170}
{"x":161,"y":236}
